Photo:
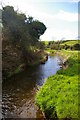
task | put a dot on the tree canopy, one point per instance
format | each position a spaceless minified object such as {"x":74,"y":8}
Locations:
{"x":18,"y":28}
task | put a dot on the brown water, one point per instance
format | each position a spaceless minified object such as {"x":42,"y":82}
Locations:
{"x":19,"y":91}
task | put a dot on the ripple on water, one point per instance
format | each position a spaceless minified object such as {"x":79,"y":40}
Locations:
{"x":19,"y":91}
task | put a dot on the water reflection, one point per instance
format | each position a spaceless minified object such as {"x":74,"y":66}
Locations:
{"x":20,"y":90}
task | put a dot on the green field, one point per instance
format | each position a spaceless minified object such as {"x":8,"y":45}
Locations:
{"x":70,"y":42}
{"x":58,"y":97}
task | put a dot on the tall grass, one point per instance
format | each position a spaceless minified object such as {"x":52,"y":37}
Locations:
{"x":58,"y":97}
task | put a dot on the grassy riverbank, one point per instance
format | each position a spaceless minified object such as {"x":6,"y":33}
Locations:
{"x":58,"y":97}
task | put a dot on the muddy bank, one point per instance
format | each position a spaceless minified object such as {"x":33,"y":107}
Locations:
{"x":14,"y":61}
{"x":19,"y":91}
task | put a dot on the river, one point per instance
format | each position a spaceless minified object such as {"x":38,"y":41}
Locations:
{"x":18,"y":93}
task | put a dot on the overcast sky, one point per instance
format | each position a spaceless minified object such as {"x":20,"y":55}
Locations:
{"x":60,"y":17}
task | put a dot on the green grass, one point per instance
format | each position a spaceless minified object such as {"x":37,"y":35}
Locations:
{"x":70,"y":42}
{"x":46,"y":42}
{"x":50,"y":51}
{"x":58,"y":97}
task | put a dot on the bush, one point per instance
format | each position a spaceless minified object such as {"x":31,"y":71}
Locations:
{"x":76,"y":46}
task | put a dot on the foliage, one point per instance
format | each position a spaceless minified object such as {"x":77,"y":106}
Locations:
{"x":19,"y":29}
{"x":21,"y":43}
{"x":40,"y":45}
{"x":50,"y":51}
{"x":68,"y":44}
{"x":58,"y":97}
{"x":77,"y":46}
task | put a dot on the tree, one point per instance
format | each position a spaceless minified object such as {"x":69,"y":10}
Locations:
{"x":36,"y":29}
{"x":19,"y":29}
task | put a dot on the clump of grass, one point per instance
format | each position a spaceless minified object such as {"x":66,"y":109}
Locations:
{"x":58,"y":97}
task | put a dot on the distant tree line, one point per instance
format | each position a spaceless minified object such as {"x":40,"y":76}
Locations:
{"x":58,"y":45}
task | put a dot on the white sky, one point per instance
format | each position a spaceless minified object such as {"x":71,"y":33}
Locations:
{"x":61,"y":19}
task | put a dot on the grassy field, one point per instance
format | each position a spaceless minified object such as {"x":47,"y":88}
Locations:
{"x":59,"y":45}
{"x":70,"y":42}
{"x":58,"y":97}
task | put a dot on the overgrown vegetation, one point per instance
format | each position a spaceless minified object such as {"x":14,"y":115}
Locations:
{"x":58,"y":97}
{"x":19,"y":29}
{"x":21,"y":43}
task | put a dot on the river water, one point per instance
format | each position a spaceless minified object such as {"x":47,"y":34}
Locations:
{"x":20,"y":90}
